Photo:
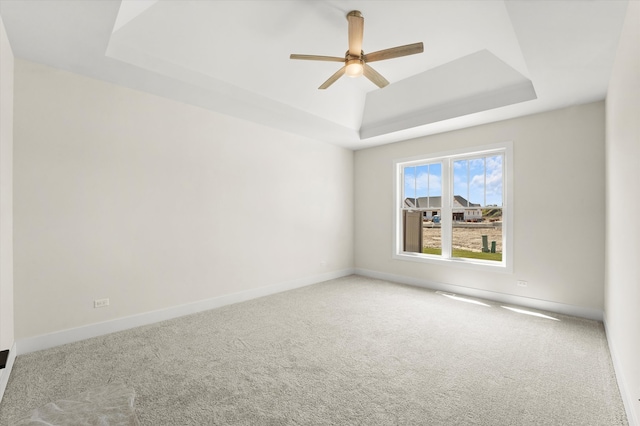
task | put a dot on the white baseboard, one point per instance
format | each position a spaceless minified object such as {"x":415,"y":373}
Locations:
{"x":544,"y":305}
{"x":625,"y":392}
{"x":6,"y":371}
{"x":45,"y":341}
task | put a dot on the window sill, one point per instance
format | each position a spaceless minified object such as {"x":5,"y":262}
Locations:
{"x":474,"y":264}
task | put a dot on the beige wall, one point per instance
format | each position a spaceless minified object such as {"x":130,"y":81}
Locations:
{"x":622,"y":291}
{"x":6,"y":192}
{"x":154,"y":203}
{"x":559,"y":206}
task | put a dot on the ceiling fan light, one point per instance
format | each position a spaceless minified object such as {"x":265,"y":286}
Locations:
{"x":354,"y":68}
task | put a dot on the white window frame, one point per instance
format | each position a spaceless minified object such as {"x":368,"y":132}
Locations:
{"x":447,"y":159}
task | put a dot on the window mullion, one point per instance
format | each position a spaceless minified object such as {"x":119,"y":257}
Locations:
{"x":468,"y":184}
{"x":484,"y":184}
{"x":446,"y":213}
{"x":428,"y":185}
{"x":415,"y":186}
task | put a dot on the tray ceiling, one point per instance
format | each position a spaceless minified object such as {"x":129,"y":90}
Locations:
{"x":483,"y":61}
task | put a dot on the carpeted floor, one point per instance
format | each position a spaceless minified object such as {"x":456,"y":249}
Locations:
{"x":351,"y":351}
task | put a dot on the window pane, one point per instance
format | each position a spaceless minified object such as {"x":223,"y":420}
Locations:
{"x":429,"y":185}
{"x":435,"y":186}
{"x":460,"y":183}
{"x":494,"y":180}
{"x":478,"y":240}
{"x":432,"y":233}
{"x":409,"y":174}
{"x":422,"y":185}
{"x":477,"y":220}
{"x":423,"y":192}
{"x":476,"y":182}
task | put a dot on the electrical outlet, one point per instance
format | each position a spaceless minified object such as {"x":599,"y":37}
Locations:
{"x":522,"y":283}
{"x":100,"y":303}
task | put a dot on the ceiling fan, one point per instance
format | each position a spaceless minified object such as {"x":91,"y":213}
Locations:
{"x":355,"y":61}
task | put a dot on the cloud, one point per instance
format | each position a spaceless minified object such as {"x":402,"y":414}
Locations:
{"x":430,"y":182}
{"x":424,"y":183}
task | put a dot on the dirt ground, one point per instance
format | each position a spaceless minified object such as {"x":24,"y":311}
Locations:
{"x":464,"y":238}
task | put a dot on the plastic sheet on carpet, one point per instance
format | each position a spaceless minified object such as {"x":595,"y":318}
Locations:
{"x":111,"y":405}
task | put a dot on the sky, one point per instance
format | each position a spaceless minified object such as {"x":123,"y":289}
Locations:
{"x":478,"y":180}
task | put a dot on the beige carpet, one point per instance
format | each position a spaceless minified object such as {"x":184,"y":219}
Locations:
{"x":352,"y":351}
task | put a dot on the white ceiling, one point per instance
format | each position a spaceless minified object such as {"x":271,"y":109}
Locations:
{"x":233,"y":57}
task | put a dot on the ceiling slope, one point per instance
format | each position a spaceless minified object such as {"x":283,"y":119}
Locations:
{"x":474,"y":83}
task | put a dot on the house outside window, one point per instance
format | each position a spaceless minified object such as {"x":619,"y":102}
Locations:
{"x":455,"y":208}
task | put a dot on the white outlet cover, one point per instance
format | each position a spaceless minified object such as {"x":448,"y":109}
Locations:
{"x":100,"y":303}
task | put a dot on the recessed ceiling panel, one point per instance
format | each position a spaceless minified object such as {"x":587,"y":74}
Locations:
{"x":244,"y":46}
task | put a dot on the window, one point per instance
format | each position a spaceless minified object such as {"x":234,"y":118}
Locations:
{"x":454,"y":208}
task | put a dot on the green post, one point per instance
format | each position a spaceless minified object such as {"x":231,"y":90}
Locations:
{"x":493,"y":246}
{"x":485,"y":244}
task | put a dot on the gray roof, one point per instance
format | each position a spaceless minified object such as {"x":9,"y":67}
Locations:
{"x":436,"y":202}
